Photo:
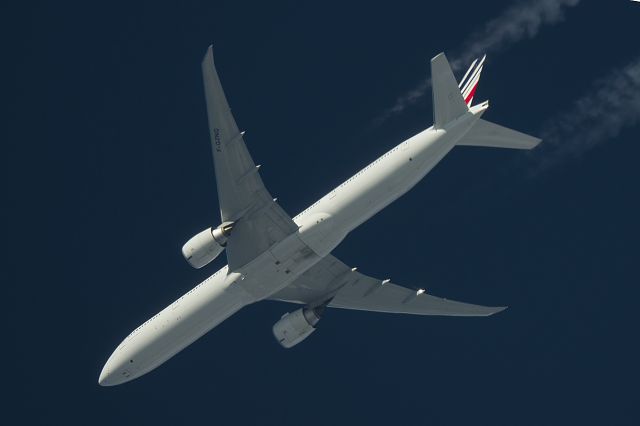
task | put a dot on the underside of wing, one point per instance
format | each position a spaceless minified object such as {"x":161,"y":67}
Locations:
{"x":244,"y":200}
{"x":378,"y":296}
{"x":349,"y":289}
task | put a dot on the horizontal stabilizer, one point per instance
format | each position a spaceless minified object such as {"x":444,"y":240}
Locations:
{"x":486,"y":133}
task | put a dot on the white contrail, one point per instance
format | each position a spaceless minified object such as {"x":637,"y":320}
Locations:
{"x":522,"y":20}
{"x":611,"y":104}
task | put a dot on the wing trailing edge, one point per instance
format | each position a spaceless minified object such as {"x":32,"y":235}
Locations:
{"x":349,"y":289}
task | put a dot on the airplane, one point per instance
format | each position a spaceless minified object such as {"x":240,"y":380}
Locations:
{"x":271,"y":256}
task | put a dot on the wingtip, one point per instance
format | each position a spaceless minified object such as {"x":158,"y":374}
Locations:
{"x":498,"y":309}
{"x":534,"y":143}
{"x":208,"y":55}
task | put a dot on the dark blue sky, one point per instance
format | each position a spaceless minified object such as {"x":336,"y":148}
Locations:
{"x":108,"y":171}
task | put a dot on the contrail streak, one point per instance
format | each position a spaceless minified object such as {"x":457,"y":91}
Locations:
{"x":522,"y":20}
{"x":612,"y":104}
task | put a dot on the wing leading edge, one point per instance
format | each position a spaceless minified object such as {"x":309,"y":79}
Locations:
{"x":330,"y":278}
{"x":259,"y":221}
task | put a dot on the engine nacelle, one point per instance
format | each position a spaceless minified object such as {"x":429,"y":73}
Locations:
{"x":294,"y":327}
{"x":202,"y":248}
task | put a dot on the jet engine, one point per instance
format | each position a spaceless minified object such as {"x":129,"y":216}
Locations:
{"x":294,"y":327}
{"x":205,"y":246}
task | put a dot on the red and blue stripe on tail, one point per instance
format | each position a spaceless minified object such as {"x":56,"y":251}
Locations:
{"x":469,"y":82}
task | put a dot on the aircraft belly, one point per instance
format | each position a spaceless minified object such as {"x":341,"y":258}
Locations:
{"x":178,"y":325}
{"x":321,"y":232}
{"x":189,"y":324}
{"x":394,"y":178}
{"x":277,"y":267}
{"x":354,"y":202}
{"x":207,"y":305}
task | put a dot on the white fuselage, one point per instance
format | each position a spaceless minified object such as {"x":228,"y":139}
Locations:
{"x":322,"y":227}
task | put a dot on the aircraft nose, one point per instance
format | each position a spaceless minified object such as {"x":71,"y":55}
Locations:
{"x":105,"y":378}
{"x":109,"y":375}
{"x":118,"y":369}
{"x":112,"y":373}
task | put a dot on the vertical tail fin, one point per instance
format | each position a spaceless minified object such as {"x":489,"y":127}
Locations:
{"x":451,"y":100}
{"x":448,"y":103}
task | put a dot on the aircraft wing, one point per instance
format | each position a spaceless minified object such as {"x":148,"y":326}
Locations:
{"x":330,"y":278}
{"x":259,"y":220}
